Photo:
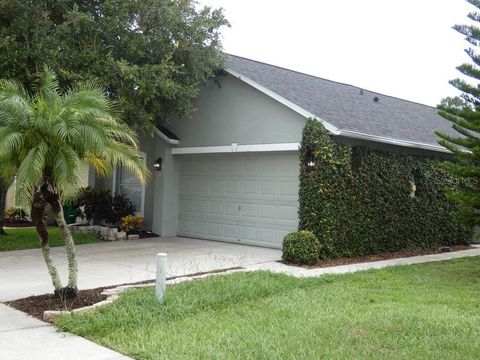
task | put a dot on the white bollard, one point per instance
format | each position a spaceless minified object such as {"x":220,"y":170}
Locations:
{"x":161,"y":277}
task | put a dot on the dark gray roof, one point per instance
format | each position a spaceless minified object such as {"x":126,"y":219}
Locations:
{"x":345,"y":106}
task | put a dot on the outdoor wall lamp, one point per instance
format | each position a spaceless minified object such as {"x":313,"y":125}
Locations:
{"x":310,"y":159}
{"x":157,"y":165}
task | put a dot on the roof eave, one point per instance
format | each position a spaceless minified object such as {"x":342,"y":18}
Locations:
{"x":330,"y":128}
{"x":166,"y":138}
{"x":391,"y":141}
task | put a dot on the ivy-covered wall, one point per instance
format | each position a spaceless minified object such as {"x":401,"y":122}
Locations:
{"x":358,"y":201}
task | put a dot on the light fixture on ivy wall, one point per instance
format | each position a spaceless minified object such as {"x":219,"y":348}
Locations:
{"x":310,"y":161}
{"x":157,"y":165}
{"x":413,"y":187}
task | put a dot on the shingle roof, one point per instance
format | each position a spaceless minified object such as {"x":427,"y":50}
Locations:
{"x":345,"y":106}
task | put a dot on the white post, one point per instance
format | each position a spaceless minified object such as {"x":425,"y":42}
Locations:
{"x":161,"y":277}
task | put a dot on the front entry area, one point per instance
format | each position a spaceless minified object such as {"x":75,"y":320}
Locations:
{"x":249,"y":198}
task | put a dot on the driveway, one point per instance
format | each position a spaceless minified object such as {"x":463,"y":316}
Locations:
{"x":23,"y":273}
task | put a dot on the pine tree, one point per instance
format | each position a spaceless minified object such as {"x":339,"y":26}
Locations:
{"x":464,"y":113}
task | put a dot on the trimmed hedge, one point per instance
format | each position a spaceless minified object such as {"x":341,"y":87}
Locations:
{"x":357,"y":201}
{"x":301,"y":247}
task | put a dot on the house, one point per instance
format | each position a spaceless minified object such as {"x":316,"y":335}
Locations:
{"x":230,"y":172}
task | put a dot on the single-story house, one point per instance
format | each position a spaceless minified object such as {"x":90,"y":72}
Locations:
{"x":230,"y":172}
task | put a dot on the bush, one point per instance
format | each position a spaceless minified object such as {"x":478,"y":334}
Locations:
{"x":15,"y":213}
{"x":301,"y":247}
{"x":358,"y":201}
{"x":121,"y":207}
{"x":99,"y":206}
{"x":131,"y":224}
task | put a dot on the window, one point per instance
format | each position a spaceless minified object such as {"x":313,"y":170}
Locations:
{"x":131,"y":187}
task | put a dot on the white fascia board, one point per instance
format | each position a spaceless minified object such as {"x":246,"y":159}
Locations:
{"x":307,"y":114}
{"x":387,"y":140}
{"x":166,"y":138}
{"x":235,"y":148}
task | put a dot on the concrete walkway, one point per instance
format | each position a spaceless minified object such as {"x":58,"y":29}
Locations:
{"x":302,"y":272}
{"x":23,"y":273}
{"x":25,"y":338}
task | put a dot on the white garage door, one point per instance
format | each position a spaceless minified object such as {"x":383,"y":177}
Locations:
{"x":242,"y":198}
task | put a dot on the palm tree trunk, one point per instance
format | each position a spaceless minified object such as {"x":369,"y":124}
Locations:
{"x":3,"y":199}
{"x":38,"y":219}
{"x":72,"y":289}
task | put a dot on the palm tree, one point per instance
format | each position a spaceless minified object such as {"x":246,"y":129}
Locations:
{"x":53,"y":134}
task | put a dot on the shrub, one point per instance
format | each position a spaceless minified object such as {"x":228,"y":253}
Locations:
{"x":15,"y":213}
{"x":121,"y":207}
{"x":358,"y":201}
{"x":99,"y":206}
{"x":131,"y":224}
{"x":301,"y":247}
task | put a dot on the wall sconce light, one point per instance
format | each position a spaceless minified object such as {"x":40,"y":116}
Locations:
{"x":157,"y":165}
{"x":413,"y":188}
{"x":310,"y":162}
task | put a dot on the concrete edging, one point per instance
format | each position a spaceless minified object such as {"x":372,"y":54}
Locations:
{"x":113,"y":294}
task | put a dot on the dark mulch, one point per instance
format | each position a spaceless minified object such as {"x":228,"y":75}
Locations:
{"x":17,"y":223}
{"x":377,"y":257}
{"x":147,"y":234}
{"x":36,"y":305}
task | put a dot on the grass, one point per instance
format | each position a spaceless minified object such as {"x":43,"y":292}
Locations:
{"x":26,"y":238}
{"x":428,"y":311}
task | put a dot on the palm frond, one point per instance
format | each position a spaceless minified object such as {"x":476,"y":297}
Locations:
{"x":123,"y":155}
{"x":10,"y":142}
{"x":48,"y":86}
{"x":66,"y":172}
{"x":30,"y":174}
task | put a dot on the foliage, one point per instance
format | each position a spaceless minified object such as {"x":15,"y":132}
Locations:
{"x":15,"y":213}
{"x":94,"y":204}
{"x":98,"y":205}
{"x":301,"y":247}
{"x":53,"y":135}
{"x":358,"y":201}
{"x":405,"y":312}
{"x":121,"y":207}
{"x":464,"y":114}
{"x":26,"y":238}
{"x":131,"y":224}
{"x":7,"y":175}
{"x":150,"y":55}
{"x":56,"y":133}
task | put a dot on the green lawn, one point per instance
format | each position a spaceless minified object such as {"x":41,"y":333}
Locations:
{"x":26,"y":238}
{"x":428,"y":311}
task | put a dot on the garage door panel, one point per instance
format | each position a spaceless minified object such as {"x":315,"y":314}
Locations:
{"x":215,"y":207}
{"x":232,"y":208}
{"x":249,"y":198}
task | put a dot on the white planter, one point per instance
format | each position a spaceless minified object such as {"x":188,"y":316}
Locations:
{"x":133,"y":237}
{"x":121,"y":235}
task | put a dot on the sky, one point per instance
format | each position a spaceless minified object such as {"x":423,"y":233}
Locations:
{"x":402,"y":48}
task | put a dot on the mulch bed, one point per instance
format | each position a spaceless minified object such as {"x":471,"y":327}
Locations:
{"x":377,"y":257}
{"x":17,"y":223}
{"x":36,"y":305}
{"x":147,"y":234}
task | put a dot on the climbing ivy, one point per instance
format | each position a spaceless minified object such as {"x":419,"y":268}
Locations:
{"x":358,"y":201}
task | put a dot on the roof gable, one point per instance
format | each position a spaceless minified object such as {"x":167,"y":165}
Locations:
{"x":355,"y":112}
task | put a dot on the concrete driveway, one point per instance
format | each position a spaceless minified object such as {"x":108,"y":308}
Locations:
{"x":23,"y":273}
